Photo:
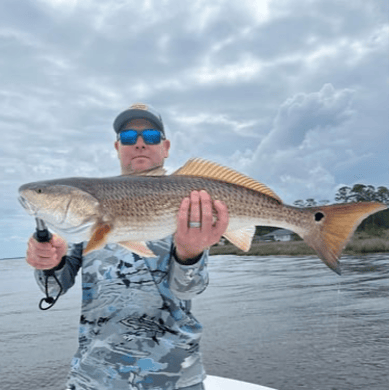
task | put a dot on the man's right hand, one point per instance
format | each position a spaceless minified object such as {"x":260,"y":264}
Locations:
{"x":46,"y":255}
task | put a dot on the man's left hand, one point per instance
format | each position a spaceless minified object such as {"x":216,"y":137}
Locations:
{"x":192,"y":241}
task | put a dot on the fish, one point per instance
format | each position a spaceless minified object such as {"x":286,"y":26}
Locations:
{"x":131,"y":210}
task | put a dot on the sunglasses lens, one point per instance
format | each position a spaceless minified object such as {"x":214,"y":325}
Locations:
{"x":128,"y":137}
{"x":151,"y":136}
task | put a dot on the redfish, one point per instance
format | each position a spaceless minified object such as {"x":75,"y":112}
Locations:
{"x":131,"y":210}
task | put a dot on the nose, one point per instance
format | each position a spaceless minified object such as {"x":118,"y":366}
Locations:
{"x":140,"y":144}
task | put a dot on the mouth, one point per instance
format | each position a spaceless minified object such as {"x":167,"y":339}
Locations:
{"x":27,"y":206}
{"x":136,"y":157}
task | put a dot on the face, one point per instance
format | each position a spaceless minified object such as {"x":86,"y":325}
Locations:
{"x":141,"y":157}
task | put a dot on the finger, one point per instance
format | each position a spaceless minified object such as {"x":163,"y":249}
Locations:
{"x":195,"y":207}
{"x":58,"y":243}
{"x":39,"y":245}
{"x":57,"y":240}
{"x":39,"y":262}
{"x":41,"y":250}
{"x":45,"y":264}
{"x":222,"y":217}
{"x":182,"y":216}
{"x":206,"y":210}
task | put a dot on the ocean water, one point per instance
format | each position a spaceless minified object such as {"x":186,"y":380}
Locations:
{"x":284,"y":322}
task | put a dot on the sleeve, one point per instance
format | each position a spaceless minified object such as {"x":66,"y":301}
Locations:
{"x":66,"y":272}
{"x":188,"y":280}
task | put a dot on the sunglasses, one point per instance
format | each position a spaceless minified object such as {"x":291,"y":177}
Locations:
{"x":150,"y":136}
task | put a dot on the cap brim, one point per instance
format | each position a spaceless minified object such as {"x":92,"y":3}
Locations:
{"x":128,"y":115}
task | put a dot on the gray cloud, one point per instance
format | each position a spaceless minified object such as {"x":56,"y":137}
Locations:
{"x":307,"y":113}
{"x":300,"y":152}
{"x":294,"y":92}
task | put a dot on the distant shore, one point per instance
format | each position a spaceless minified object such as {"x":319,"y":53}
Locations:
{"x":11,"y":258}
{"x":361,"y":242}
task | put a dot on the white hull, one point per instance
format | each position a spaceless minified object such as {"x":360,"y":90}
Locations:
{"x":218,"y":383}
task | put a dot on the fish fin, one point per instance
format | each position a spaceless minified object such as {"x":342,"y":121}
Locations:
{"x":138,"y":247}
{"x":241,"y":238}
{"x":336,"y":226}
{"x":156,"y":171}
{"x":98,"y":238}
{"x":208,"y":169}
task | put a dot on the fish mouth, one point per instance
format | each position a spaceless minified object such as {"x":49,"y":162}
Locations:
{"x":27,"y":206}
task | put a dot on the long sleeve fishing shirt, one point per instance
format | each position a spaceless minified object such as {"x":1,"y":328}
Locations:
{"x":136,"y":328}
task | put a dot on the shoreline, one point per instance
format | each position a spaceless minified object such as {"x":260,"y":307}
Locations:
{"x":12,"y":258}
{"x":361,"y":243}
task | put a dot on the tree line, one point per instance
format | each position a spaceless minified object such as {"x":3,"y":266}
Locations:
{"x":358,"y":193}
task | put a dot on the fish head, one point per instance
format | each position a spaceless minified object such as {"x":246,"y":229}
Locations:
{"x":64,"y":208}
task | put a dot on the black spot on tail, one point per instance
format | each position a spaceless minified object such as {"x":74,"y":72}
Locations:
{"x":318,"y":216}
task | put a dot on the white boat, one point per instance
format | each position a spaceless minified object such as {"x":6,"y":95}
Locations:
{"x":219,"y":383}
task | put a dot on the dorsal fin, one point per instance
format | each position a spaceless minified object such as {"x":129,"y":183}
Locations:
{"x":208,"y":169}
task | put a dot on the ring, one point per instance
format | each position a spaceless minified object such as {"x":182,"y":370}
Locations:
{"x":194,"y":224}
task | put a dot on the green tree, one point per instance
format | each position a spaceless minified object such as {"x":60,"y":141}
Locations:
{"x":362,"y":193}
{"x":382,"y":195}
{"x":343,"y":194}
{"x":299,"y":203}
{"x":311,"y":202}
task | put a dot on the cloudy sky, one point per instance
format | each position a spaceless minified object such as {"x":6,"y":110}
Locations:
{"x":291,"y":92}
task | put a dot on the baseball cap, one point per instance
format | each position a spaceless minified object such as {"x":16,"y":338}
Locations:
{"x":139,"y":111}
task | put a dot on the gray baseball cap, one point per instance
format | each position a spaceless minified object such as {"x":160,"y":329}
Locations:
{"x":139,"y":111}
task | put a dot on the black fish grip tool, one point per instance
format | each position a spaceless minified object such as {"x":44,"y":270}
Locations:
{"x":42,"y":234}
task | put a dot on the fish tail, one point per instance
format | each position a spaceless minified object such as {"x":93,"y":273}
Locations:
{"x":334,"y":227}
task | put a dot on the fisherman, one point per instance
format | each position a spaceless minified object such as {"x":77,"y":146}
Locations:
{"x":136,"y":327}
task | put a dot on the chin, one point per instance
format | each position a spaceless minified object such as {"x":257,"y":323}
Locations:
{"x":141,"y":164}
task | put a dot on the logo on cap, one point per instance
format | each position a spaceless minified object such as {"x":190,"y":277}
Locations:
{"x":139,"y":106}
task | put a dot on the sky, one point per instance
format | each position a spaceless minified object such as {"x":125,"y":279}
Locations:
{"x":294,"y":93}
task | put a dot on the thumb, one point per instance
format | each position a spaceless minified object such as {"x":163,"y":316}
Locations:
{"x":59,"y":243}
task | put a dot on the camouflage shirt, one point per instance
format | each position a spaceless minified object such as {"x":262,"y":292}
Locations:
{"x":136,"y":328}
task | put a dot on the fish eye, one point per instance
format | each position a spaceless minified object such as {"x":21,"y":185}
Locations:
{"x":318,"y":216}
{"x":39,"y":191}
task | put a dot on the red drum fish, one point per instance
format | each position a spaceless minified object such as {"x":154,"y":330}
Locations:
{"x":130,"y":210}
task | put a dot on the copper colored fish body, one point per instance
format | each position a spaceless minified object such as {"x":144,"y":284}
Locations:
{"x":130,"y":210}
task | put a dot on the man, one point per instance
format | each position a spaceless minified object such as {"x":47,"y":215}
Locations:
{"x":136,"y":328}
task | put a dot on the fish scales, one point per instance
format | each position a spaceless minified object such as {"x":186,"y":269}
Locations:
{"x":150,"y":199}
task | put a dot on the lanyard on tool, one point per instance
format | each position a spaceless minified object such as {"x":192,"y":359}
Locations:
{"x":42,"y":234}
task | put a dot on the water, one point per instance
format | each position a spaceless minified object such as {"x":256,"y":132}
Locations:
{"x":283,"y":322}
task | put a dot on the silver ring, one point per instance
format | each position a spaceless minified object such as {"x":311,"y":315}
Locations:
{"x":194,"y":224}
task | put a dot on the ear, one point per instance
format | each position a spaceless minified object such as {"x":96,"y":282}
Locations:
{"x":166,"y":145}
{"x":116,"y":144}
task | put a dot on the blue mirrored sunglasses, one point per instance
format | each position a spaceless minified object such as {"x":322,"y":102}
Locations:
{"x":150,"y":136}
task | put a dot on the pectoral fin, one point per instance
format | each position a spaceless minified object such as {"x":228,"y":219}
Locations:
{"x":139,"y":248}
{"x":241,"y":238}
{"x":98,"y":239}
